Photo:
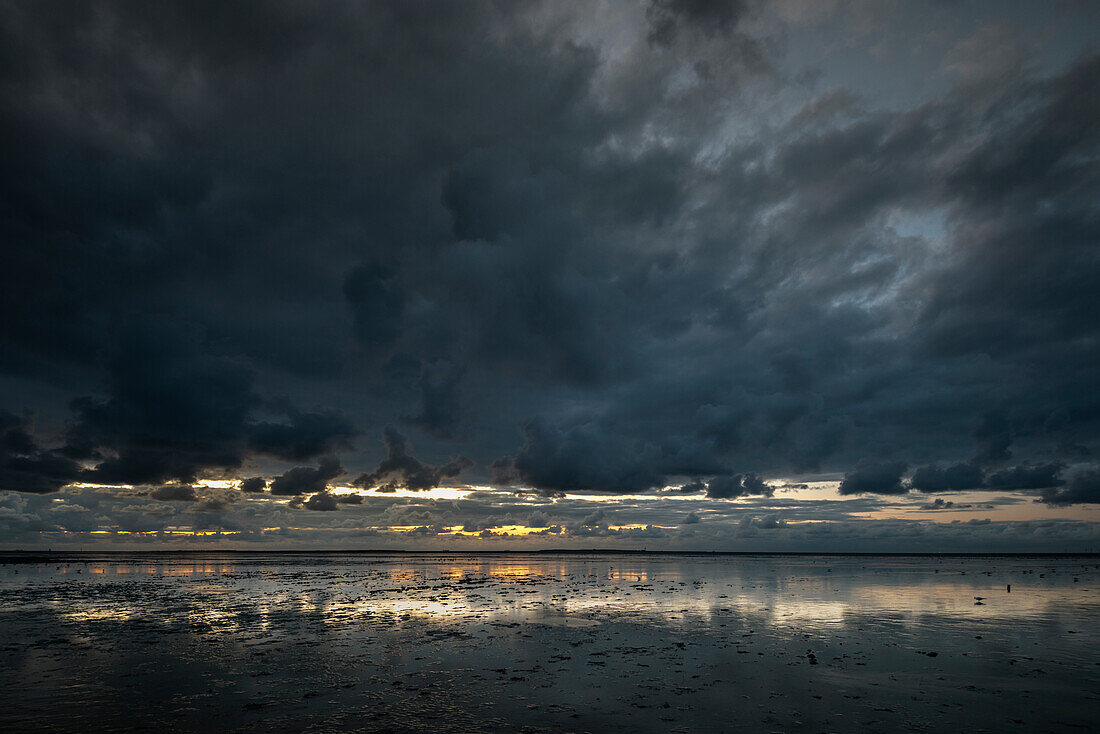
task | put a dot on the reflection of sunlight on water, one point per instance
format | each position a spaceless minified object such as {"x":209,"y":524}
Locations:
{"x":100,"y":568}
{"x":182,"y":569}
{"x":97,"y":613}
{"x":221,"y":619}
{"x":810,"y":613}
{"x":455,"y":571}
{"x":337,"y":610}
{"x":304,"y":604}
{"x":268,"y":594}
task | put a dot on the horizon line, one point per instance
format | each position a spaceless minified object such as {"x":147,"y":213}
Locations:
{"x":7,"y":556}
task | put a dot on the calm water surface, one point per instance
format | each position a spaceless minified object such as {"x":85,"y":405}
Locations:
{"x":373,"y":642}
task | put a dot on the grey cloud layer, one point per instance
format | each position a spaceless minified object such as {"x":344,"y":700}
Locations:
{"x":586,"y":253}
{"x":140,"y":519}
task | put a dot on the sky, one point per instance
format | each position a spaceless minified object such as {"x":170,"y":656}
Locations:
{"x":665,"y":274}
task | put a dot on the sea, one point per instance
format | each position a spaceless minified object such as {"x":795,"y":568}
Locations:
{"x":548,"y":642}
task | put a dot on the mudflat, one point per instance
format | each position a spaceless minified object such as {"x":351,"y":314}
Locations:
{"x":546,"y":642}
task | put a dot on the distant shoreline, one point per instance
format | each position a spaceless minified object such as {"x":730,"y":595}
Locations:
{"x":17,"y":556}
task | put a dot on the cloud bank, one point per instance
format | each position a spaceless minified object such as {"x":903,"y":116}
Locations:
{"x":600,"y":251}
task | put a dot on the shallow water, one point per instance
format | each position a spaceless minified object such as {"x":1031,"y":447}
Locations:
{"x":573,"y":642}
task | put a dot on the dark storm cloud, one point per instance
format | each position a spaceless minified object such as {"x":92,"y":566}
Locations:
{"x":710,"y":16}
{"x":253,"y":484}
{"x":401,"y":470}
{"x":875,"y":477}
{"x":1081,"y":489}
{"x":302,"y":479}
{"x":606,"y":253}
{"x":176,"y":411}
{"x":738,"y":485}
{"x":14,"y":437}
{"x":1026,"y":476}
{"x":993,"y":436}
{"x":322,"y":501}
{"x":376,"y":300}
{"x":1024,"y":301}
{"x":949,"y":478}
{"x":440,"y":411}
{"x":24,"y":467}
{"x":304,"y":435}
{"x":172,"y":410}
{"x":969,"y":476}
{"x":590,"y":457}
{"x":580,"y":458}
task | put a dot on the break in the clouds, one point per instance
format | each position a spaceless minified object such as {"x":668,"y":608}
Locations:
{"x":550,"y":248}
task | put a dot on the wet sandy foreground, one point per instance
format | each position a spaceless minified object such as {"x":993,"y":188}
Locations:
{"x":539,"y":642}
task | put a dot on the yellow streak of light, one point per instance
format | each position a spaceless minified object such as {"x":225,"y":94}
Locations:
{"x":175,"y":531}
{"x":439,"y":493}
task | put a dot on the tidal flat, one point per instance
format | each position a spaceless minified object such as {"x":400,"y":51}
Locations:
{"x":585,"y":642}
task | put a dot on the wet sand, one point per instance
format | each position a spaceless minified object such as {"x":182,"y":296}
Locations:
{"x":541,"y":642}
